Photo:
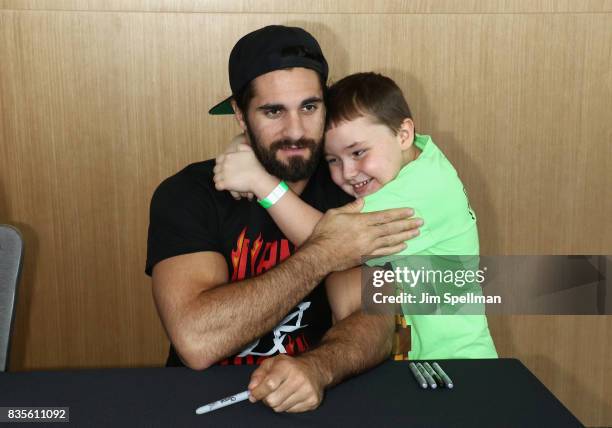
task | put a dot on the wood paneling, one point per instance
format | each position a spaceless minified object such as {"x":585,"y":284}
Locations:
{"x":317,"y":6}
{"x":97,"y":108}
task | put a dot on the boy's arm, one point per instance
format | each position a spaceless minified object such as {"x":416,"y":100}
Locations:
{"x":294,"y":217}
{"x":241,"y":172}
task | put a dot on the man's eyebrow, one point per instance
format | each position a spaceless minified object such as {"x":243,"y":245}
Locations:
{"x":267,"y":107}
{"x":312,"y":100}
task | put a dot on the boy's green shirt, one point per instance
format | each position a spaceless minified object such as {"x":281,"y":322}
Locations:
{"x":430,"y":186}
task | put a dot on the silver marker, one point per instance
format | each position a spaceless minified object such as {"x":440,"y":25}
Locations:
{"x":428,"y":378}
{"x":447,"y":380}
{"x":418,"y":376}
{"x":434,"y":375}
{"x":227,"y":401}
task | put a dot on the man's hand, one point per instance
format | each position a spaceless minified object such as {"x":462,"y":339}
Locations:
{"x":287,"y":384}
{"x":345,"y":235}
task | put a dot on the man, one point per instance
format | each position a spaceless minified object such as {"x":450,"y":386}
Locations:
{"x":220,"y":288}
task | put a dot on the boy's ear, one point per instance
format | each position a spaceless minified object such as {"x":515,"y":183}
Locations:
{"x":239,"y":116}
{"x":406,"y":134}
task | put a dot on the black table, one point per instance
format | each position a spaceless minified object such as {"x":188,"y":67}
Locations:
{"x":487,"y":393}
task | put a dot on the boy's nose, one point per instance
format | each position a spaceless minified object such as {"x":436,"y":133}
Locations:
{"x":349,"y":171}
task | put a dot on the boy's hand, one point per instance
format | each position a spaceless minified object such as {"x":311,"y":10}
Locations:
{"x":239,"y":171}
{"x":236,"y":142}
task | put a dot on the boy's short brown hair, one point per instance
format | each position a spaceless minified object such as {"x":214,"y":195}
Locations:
{"x":367,"y":94}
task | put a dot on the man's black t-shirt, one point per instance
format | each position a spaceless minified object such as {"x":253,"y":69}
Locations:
{"x":189,"y":215}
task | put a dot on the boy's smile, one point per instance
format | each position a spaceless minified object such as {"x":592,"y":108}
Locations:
{"x":364,"y":155}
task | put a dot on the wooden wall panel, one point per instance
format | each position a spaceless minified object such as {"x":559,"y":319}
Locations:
{"x":521,"y":103}
{"x":317,"y":6}
{"x":97,"y":108}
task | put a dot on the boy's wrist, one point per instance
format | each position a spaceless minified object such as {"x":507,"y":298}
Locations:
{"x":264,"y":185}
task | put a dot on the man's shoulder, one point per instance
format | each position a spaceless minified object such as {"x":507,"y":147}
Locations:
{"x":197,"y":172}
{"x":190,"y":189}
{"x":195,"y":177}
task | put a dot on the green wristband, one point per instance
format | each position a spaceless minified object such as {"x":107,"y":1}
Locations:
{"x":274,"y":195}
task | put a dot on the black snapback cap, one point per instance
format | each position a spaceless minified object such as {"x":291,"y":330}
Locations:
{"x":270,"y":48}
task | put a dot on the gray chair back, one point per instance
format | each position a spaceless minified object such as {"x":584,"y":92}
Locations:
{"x":11,"y":254}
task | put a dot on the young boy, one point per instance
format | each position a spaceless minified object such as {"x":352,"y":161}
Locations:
{"x":374,"y":153}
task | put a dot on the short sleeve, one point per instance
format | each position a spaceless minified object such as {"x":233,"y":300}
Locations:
{"x":391,"y":197}
{"x":183,"y":219}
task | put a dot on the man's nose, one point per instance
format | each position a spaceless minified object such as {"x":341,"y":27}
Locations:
{"x":294,"y":127}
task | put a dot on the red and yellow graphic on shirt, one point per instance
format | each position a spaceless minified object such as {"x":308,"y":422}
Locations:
{"x":246,"y":254}
{"x":251,"y":259}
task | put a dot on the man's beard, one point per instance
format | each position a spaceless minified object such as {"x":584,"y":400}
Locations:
{"x":297,"y":168}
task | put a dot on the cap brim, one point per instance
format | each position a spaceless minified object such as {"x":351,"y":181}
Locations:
{"x":224,"y":107}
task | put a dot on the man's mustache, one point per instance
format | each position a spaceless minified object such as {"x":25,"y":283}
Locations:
{"x":300,"y":144}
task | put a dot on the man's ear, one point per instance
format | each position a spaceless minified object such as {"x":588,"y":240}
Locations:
{"x":239,"y":116}
{"x":405,"y":134}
